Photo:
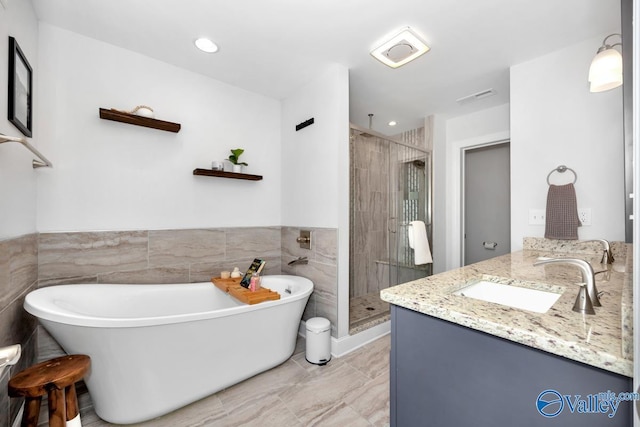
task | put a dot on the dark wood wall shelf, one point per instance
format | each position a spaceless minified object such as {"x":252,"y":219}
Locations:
{"x":223,"y":174}
{"x":132,"y":119}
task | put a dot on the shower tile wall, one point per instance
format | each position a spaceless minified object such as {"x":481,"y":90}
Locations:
{"x":370,"y":212}
{"x":18,"y":276}
{"x":421,"y":137}
{"x":322,"y":269}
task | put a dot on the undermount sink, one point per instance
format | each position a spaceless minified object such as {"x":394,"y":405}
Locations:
{"x":535,"y":300}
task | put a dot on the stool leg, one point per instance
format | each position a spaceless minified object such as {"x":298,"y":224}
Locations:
{"x":56,"y":408}
{"x":71,"y":403}
{"x":31,"y":411}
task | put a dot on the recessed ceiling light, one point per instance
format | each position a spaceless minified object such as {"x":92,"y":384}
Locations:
{"x":206,"y":45}
{"x":403,"y":47}
{"x":393,"y":123}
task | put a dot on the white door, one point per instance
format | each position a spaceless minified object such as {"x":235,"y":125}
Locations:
{"x":486,"y":196}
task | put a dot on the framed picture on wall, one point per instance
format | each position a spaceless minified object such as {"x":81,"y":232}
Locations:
{"x":20,"y":89}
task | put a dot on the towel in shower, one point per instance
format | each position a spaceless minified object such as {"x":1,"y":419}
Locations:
{"x":562,"y":213}
{"x":417,"y":233}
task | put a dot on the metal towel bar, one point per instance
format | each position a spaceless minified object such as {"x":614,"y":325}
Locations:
{"x":563,"y":169}
{"x":41,"y":163}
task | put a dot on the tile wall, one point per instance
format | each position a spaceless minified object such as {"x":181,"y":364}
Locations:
{"x":160,"y":256}
{"x":322,"y":270}
{"x":18,"y":276}
{"x":369,"y":181}
{"x":381,"y":187}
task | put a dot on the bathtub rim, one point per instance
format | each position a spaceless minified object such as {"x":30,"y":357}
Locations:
{"x":39,"y":304}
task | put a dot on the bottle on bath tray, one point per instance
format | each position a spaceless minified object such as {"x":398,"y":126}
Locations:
{"x":236,"y":273}
{"x":256,"y":267}
{"x":254,"y":284}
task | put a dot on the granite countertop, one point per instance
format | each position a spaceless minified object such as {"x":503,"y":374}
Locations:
{"x":603,"y":340}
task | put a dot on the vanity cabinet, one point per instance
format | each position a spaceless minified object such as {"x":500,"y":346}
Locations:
{"x":444,"y":374}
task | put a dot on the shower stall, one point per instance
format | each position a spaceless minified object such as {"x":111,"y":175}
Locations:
{"x":390,"y":186}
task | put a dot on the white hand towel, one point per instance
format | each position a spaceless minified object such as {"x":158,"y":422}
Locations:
{"x":419,"y":243}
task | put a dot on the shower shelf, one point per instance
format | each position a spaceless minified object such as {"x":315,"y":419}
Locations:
{"x":222,"y":174}
{"x":132,"y":119}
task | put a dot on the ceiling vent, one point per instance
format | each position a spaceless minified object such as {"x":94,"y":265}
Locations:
{"x":403,"y":47}
{"x":476,"y":96}
{"x":400,"y":52}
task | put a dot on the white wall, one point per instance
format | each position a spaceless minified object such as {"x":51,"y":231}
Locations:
{"x":311,"y":177}
{"x":555,"y":120}
{"x":479,"y":124}
{"x":315,"y":173}
{"x":452,"y":136}
{"x":441,"y":223}
{"x":17,"y":177}
{"x":109,"y":175}
{"x":483,"y":127}
{"x":552,"y":119}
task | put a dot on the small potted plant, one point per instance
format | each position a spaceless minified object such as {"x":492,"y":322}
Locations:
{"x":234,"y":158}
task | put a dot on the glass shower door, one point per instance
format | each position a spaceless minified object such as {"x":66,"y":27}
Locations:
{"x":410,"y":200}
{"x":390,"y":187}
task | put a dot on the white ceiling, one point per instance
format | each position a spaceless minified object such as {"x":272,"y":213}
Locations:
{"x":274,"y":47}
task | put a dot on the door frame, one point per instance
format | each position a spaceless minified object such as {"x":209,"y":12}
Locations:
{"x":463,"y":152}
{"x":454,"y":189}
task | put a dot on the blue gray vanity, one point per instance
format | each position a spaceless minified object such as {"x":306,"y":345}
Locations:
{"x":461,"y":361}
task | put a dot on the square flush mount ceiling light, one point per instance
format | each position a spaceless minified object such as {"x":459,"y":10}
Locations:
{"x":403,"y":47}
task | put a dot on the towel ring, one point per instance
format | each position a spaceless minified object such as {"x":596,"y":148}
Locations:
{"x":563,"y":169}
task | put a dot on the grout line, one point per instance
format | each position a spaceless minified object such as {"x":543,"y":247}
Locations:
{"x":289,"y":409}
{"x":148,"y":249}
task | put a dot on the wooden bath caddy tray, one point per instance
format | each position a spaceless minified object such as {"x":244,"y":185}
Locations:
{"x":233,"y":287}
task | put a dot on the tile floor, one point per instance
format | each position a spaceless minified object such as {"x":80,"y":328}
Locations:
{"x":349,"y":391}
{"x":366,"y":311}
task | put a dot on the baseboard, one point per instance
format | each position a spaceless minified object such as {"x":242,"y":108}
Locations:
{"x":345,"y":345}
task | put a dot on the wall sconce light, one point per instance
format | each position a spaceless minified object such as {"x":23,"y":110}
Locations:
{"x":606,"y":68}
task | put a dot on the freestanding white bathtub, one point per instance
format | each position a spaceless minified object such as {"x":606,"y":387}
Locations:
{"x":156,"y":348}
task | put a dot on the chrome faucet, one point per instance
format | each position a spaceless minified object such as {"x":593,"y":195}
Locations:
{"x":299,"y":260}
{"x":607,"y":256}
{"x":584,"y":301}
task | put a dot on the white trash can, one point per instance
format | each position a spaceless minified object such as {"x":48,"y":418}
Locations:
{"x":318,"y":340}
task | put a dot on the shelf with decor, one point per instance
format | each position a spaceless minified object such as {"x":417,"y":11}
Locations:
{"x":134,"y":119}
{"x":223,"y":174}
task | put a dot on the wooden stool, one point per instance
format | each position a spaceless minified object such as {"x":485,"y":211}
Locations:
{"x":56,"y":378}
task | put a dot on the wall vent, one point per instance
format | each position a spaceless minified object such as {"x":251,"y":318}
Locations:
{"x":476,"y":96}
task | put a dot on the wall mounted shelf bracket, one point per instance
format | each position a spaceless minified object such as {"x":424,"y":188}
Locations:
{"x":41,"y":162}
